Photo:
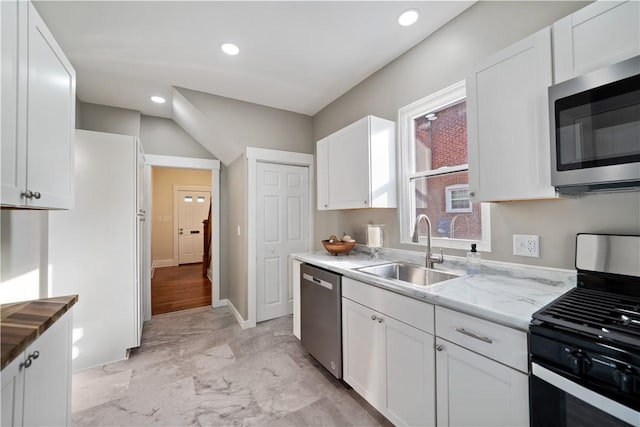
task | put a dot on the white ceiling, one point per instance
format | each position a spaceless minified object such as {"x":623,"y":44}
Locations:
{"x":294,"y":55}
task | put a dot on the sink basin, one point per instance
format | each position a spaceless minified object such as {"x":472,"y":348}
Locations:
{"x":407,"y":272}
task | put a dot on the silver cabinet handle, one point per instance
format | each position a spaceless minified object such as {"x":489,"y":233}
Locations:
{"x":439,"y":347}
{"x":472,"y":335}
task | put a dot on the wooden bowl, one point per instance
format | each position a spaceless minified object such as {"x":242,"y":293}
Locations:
{"x":340,"y":247}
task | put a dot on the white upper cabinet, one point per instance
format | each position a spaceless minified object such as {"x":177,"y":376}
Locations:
{"x":38,"y":112}
{"x":508,"y":122}
{"x":598,"y":35}
{"x":357,"y":166}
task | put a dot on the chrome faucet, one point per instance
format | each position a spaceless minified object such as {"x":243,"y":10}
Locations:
{"x":430,"y":259}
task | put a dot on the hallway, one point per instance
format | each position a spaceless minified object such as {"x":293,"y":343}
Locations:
{"x":179,"y":288}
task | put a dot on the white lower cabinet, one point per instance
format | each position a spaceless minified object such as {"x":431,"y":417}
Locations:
{"x":36,"y":386}
{"x":294,"y":280}
{"x":474,"y":390}
{"x":481,"y":372}
{"x":387,"y":361}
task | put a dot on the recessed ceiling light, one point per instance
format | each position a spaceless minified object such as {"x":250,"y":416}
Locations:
{"x":158,"y":99}
{"x":408,"y":17}
{"x":230,"y":48}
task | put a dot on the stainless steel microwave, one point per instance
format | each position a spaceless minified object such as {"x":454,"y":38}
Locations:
{"x":595,"y":130}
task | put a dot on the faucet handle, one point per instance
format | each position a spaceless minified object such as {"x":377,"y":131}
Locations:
{"x":437,"y":259}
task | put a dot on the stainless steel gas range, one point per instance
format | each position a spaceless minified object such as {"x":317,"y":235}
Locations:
{"x":585,"y":346}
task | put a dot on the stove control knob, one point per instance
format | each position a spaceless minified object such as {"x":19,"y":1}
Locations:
{"x":624,"y":379}
{"x":579,"y":362}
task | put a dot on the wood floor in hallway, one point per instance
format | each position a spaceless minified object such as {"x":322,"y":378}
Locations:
{"x":179,"y":288}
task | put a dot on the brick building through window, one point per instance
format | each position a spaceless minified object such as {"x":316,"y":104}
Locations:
{"x":440,"y":142}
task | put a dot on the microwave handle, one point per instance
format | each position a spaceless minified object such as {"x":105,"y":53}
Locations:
{"x":592,"y":398}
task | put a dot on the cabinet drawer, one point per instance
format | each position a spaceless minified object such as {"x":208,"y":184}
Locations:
{"x":412,"y":312}
{"x":501,"y":343}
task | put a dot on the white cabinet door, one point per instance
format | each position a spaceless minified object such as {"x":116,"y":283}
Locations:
{"x":47,"y":382}
{"x":38,"y":112}
{"x":362,"y":349}
{"x":410,"y":375}
{"x":322,"y":175}
{"x":14,"y":147}
{"x":294,"y":280}
{"x":475,"y":391}
{"x":140,"y":232}
{"x":50,"y":119}
{"x":356,"y":166}
{"x":508,"y":123}
{"x":595,"y":36}
{"x":348,"y":166}
{"x":12,"y":393}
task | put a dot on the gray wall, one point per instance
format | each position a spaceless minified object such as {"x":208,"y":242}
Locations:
{"x":227,"y":126}
{"x":443,"y":59}
{"x":24,"y":248}
{"x":236,"y":246}
{"x":102,"y":118}
{"x":163,"y":136}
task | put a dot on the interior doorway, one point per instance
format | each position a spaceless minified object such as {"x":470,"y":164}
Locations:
{"x":180,"y":205}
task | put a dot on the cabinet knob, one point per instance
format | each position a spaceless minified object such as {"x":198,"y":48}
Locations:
{"x":34,"y":355}
{"x":27,"y":194}
{"x":439,"y":347}
{"x":36,"y":195}
{"x":380,"y":320}
{"x":472,"y":193}
{"x":326,"y":206}
{"x":374,"y":317}
{"x":26,"y":363}
{"x":366,"y":201}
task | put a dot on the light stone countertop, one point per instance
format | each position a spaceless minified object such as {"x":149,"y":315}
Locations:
{"x":504,"y":293}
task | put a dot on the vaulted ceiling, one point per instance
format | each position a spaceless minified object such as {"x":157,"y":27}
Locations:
{"x":294,"y":55}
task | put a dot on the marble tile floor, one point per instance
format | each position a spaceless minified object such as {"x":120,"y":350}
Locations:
{"x":199,"y":368}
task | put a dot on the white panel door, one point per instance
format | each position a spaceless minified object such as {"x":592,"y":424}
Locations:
{"x":282,"y":229}
{"x":475,"y":391}
{"x":193,"y":209}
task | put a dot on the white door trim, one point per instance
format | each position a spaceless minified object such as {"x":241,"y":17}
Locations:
{"x":254,"y":155}
{"x":185,"y":163}
{"x":176,"y":213}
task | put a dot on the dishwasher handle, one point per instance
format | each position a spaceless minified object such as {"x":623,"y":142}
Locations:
{"x":317,"y":281}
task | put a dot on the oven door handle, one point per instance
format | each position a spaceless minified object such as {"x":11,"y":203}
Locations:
{"x":590,"y":397}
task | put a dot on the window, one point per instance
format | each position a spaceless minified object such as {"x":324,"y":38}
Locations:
{"x":457,"y":198}
{"x":434,"y":172}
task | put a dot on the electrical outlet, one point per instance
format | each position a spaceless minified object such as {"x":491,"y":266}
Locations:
{"x":526,"y":245}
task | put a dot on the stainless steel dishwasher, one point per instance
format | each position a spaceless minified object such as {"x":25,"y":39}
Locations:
{"x":321,"y":316}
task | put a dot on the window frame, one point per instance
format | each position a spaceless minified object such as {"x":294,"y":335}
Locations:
{"x":449,"y":189}
{"x":406,"y":149}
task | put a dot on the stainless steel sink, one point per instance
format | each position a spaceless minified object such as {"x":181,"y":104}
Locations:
{"x":408,"y":272}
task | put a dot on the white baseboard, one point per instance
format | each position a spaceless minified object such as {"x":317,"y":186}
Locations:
{"x":244,"y":324}
{"x":222,"y":303}
{"x":157,"y":263}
